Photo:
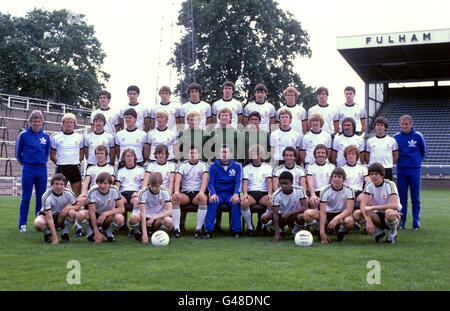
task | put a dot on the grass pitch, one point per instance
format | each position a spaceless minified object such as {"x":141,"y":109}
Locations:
{"x":418,"y":261}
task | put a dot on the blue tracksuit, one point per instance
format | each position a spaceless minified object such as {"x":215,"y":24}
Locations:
{"x":412,"y":150}
{"x":32,"y":152}
{"x":224,"y":184}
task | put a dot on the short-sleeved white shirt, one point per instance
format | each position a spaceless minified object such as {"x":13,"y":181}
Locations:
{"x":320,"y":173}
{"x":134,"y":139}
{"x":257,"y":176}
{"x":142,"y":113}
{"x":354,"y":175}
{"x":297,"y":172}
{"x":55,"y":203}
{"x":92,"y":140}
{"x":173,"y":111}
{"x":280,"y":139}
{"x":154,"y":202}
{"x":266,"y":110}
{"x":130,"y":178}
{"x":165,"y":169}
{"x":336,"y":199}
{"x":67,"y":147}
{"x":381,"y":149}
{"x":329,"y":115}
{"x":191,"y":175}
{"x":156,"y":137}
{"x":357,"y":112}
{"x":202,"y":107}
{"x":311,"y":140}
{"x":94,"y":170}
{"x":104,"y":202}
{"x":380,"y":195}
{"x":298,"y":115}
{"x":112,"y":119}
{"x":340,"y":142}
{"x":288,"y":202}
{"x":233,"y":104}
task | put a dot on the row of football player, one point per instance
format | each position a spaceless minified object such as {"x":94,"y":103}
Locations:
{"x":69,"y":148}
{"x":147,"y":119}
{"x":161,"y":205}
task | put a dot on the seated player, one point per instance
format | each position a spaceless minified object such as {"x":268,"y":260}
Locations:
{"x":318,"y":175}
{"x":105,"y":210}
{"x":356,"y":174}
{"x":191,"y":180}
{"x":288,"y":205}
{"x":256,"y":185}
{"x":385,"y":211}
{"x":336,"y":206}
{"x":155,"y":209}
{"x":163,"y":166}
{"x":289,"y":156}
{"x":55,"y":212}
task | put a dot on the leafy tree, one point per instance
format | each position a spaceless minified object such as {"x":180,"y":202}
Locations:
{"x":247,"y":42}
{"x":51,"y":55}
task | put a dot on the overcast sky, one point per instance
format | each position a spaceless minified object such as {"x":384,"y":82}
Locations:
{"x":130,"y":33}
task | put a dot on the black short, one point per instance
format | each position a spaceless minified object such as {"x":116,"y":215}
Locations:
{"x":127,"y":195}
{"x":55,"y":220}
{"x":257,"y":195}
{"x":330,"y":216}
{"x":71,"y":172}
{"x":357,"y":193}
{"x":388,"y":174}
{"x":191,"y":194}
{"x":317,"y":193}
{"x":382,"y":220}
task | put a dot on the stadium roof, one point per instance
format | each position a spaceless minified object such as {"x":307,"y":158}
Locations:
{"x":398,"y":57}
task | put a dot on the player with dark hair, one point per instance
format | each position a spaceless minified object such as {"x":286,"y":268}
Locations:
{"x":347,"y":138}
{"x":98,"y":137}
{"x":352,"y":110}
{"x":172,"y":109}
{"x":112,"y":120}
{"x":289,"y":165}
{"x":329,"y":113}
{"x":227,"y":101}
{"x":142,"y":113}
{"x":196,"y":104}
{"x":265,"y":109}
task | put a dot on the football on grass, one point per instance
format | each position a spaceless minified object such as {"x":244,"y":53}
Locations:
{"x":303,"y":238}
{"x":160,"y":238}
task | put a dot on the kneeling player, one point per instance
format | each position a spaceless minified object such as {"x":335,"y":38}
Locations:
{"x":55,"y":212}
{"x":288,"y":204}
{"x":384,"y":213}
{"x":155,"y":209}
{"x":105,"y":210}
{"x":192,"y":179}
{"x":336,"y":206}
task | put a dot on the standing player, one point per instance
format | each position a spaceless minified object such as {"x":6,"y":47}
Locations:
{"x":56,"y":211}
{"x":224,"y":186}
{"x":347,"y":138}
{"x":161,"y":135}
{"x":172,"y":109}
{"x":98,"y":137}
{"x":382,"y":148}
{"x":227,"y":101}
{"x":105,"y":210}
{"x":253,"y":136}
{"x":265,"y":109}
{"x":336,"y":207}
{"x":256,"y":185}
{"x":318,"y":175}
{"x":163,"y":166}
{"x":412,"y":150}
{"x":142,"y":114}
{"x":196,"y":104}
{"x":328,"y":112}
{"x":299,"y":115}
{"x":193,"y":135}
{"x":287,"y":207}
{"x":352,"y":110}
{"x":191,"y":180}
{"x":155,"y":209}
{"x":313,"y":138}
{"x":112,"y":125}
{"x":284,"y":137}
{"x":356,"y":174}
{"x":131,"y":137}
{"x":289,"y":156}
{"x":67,"y":152}
{"x":384,"y":213}
{"x":32,"y":151}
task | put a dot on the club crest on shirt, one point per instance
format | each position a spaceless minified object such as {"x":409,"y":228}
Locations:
{"x":108,"y":203}
{"x":384,"y":196}
{"x":137,"y":140}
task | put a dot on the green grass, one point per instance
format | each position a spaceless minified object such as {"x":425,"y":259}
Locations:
{"x":419,"y":261}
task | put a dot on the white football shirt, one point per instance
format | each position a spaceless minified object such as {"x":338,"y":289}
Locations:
{"x":288,"y":202}
{"x":156,"y":137}
{"x":134,"y":139}
{"x":280,"y":139}
{"x":95,"y":170}
{"x":357,"y":112}
{"x":354,"y":175}
{"x":104,"y":202}
{"x":55,"y":203}
{"x":297,"y":172}
{"x":257,"y":176}
{"x":130,"y":178}
{"x":67,"y":147}
{"x":336,"y":199}
{"x":380,"y":195}
{"x":142,"y":113}
{"x":165,"y":169}
{"x":340,"y":142}
{"x":266,"y":110}
{"x":329,"y":115}
{"x":172,"y":109}
{"x":202,"y":107}
{"x":381,"y":149}
{"x":234,"y":105}
{"x":298,"y":115}
{"x":112,"y":119}
{"x":320,"y":173}
{"x":154,"y":202}
{"x":191,"y":175}
{"x":311,"y":140}
{"x":92,"y":140}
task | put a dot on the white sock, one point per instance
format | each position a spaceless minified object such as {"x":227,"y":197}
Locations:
{"x":314,"y":224}
{"x":378,"y":230}
{"x":68,"y":223}
{"x":269,"y":224}
{"x":392,"y":227}
{"x":86,"y":226}
{"x":112,"y":228}
{"x":176,"y":215}
{"x":46,"y":230}
{"x":201,"y":215}
{"x":135,"y":227}
{"x":247,"y":214}
{"x":296,"y":228}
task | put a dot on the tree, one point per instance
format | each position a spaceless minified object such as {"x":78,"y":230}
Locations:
{"x":247,"y":42}
{"x":51,"y":55}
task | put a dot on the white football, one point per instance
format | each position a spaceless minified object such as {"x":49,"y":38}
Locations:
{"x":303,"y":238}
{"x":160,"y":238}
